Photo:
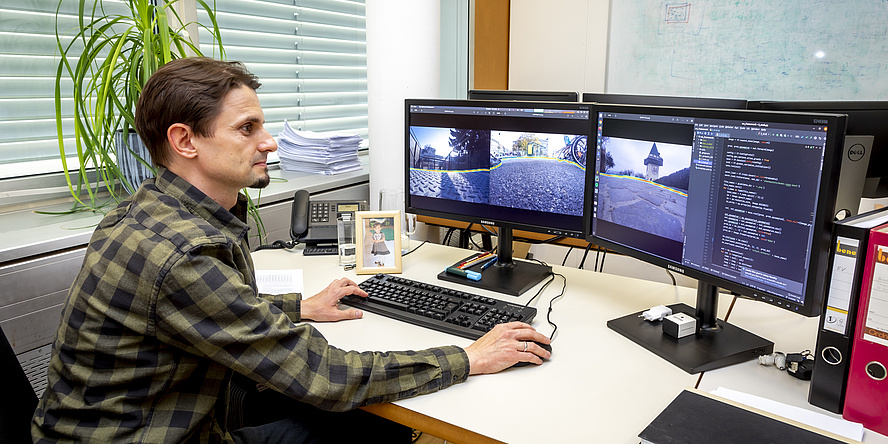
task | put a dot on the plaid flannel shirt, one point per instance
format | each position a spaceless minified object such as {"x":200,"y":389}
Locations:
{"x":163,"y":311}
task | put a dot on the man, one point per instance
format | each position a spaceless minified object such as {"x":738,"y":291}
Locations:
{"x":165,"y":309}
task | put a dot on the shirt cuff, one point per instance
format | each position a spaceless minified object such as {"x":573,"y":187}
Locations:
{"x":289,"y":303}
{"x":454,"y":364}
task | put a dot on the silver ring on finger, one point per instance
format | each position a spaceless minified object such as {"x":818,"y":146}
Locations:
{"x":525,"y":346}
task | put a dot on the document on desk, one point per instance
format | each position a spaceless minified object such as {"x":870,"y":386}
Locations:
{"x":279,"y":281}
{"x":696,"y":417}
{"x":841,"y":427}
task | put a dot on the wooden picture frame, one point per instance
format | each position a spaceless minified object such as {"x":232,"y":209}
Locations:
{"x":378,"y":235}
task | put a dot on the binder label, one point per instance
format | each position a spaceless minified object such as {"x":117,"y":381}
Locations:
{"x":876,"y":324}
{"x":838,"y":297}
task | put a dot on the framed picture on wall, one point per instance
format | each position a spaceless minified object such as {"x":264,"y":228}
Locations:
{"x":379,"y":242}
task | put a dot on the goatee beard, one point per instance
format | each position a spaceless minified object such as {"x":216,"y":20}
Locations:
{"x":262,"y":182}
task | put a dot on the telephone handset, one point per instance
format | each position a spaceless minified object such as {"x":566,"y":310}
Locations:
{"x":313,"y":222}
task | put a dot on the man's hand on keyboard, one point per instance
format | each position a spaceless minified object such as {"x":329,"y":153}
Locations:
{"x":504,"y":346}
{"x":324,"y":306}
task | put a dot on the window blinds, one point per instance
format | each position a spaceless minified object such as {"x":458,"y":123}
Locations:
{"x":28,"y":48}
{"x":309,"y":55}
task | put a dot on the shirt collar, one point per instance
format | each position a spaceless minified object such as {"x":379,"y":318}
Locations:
{"x":233,"y":221}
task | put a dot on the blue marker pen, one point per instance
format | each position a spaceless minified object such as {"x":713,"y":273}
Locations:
{"x":468,"y":274}
{"x":488,"y":263}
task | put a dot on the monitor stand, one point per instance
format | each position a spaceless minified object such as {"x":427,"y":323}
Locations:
{"x":506,"y":275}
{"x":716,"y":343}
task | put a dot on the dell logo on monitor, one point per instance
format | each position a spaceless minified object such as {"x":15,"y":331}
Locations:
{"x":856,"y":152}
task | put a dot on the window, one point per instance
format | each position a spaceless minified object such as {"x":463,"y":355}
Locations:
{"x":28,"y":140}
{"x":309,"y":55}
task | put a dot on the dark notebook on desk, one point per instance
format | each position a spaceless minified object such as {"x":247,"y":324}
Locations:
{"x":697,"y":417}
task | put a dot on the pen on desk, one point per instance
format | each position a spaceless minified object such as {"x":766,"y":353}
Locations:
{"x":471,"y":262}
{"x":473,"y":275}
{"x":471,"y":258}
{"x":488,"y":263}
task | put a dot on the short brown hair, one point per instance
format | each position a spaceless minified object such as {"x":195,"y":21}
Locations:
{"x":189,"y":91}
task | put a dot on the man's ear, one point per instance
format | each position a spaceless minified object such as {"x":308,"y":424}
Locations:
{"x":180,"y":137}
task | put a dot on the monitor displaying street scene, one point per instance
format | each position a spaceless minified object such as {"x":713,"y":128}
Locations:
{"x":644,"y":185}
{"x":534,"y":171}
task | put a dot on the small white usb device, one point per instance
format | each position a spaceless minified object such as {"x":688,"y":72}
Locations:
{"x":679,"y":325}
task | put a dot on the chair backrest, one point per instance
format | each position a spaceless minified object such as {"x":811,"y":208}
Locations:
{"x":19,"y":399}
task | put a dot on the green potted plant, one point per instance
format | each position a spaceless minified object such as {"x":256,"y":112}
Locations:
{"x":114,"y":50}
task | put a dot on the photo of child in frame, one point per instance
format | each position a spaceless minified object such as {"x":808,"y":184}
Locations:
{"x":380,"y":235}
{"x":379,"y":242}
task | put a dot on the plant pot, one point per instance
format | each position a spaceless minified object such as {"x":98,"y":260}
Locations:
{"x":133,"y":160}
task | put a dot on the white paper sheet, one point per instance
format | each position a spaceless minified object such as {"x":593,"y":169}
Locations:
{"x":279,"y":281}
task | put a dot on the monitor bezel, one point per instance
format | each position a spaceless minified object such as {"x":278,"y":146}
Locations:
{"x":654,"y":100}
{"x":823,"y":214}
{"x":490,"y":220}
{"x":524,"y":96}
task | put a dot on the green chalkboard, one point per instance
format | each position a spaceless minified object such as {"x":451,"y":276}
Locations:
{"x":750,"y":49}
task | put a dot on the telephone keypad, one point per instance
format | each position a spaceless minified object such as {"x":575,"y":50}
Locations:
{"x":320,"y":212}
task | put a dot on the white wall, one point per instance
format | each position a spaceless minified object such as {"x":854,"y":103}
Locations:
{"x":403,"y":61}
{"x":558,"y":45}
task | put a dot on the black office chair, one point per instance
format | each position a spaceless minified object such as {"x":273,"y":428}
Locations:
{"x":19,"y":399}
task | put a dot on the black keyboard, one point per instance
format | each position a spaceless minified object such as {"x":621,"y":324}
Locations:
{"x":438,"y":308}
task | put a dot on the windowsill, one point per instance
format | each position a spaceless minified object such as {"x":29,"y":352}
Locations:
{"x":27,"y":234}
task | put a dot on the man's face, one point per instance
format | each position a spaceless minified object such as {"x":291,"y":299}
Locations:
{"x":235,"y":156}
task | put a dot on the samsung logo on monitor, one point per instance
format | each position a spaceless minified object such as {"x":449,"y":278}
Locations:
{"x":486,"y":222}
{"x":674,"y":268}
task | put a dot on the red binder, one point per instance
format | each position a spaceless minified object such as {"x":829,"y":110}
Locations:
{"x":866,"y":397}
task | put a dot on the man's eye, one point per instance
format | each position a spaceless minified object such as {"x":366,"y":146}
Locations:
{"x":247,"y":128}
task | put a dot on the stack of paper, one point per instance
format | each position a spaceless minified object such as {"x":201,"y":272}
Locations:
{"x":320,"y":153}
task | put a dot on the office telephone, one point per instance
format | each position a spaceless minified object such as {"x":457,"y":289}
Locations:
{"x":313,"y":222}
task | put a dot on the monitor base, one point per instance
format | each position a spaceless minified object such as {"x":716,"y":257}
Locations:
{"x":514,"y":280}
{"x":705,"y":350}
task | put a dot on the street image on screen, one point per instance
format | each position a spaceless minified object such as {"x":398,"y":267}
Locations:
{"x":512,"y":165}
{"x":737,"y":199}
{"x":523,"y":170}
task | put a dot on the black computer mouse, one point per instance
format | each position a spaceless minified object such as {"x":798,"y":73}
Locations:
{"x":548,"y":348}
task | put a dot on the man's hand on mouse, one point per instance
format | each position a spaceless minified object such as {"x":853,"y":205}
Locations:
{"x":504,"y":346}
{"x":324,"y":306}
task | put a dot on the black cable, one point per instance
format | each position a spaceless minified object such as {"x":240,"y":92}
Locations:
{"x":566,"y":256}
{"x":540,"y":291}
{"x":414,"y":248}
{"x":277,"y":245}
{"x":603,"y":256}
{"x":447,"y":236}
{"x":597,"y":254}
{"x":551,"y":305}
{"x":672,"y":276}
{"x":583,"y":261}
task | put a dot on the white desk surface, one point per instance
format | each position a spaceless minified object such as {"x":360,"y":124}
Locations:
{"x":598,"y":386}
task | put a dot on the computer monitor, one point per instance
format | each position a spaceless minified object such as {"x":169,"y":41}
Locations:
{"x":513,"y":165}
{"x":865,"y":118}
{"x":736,"y":199}
{"x":688,"y":102}
{"x":528,"y":96}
